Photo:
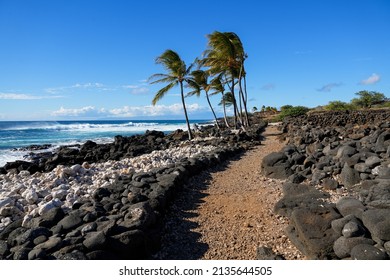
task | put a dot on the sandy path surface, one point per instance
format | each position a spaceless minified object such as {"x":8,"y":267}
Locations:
{"x":227,"y":213}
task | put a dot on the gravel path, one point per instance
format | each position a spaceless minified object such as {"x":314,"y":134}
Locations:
{"x":227,"y":213}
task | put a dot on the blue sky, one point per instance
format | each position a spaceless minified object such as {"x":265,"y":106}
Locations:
{"x":91,"y":59}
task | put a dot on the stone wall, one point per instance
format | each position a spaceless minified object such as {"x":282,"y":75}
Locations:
{"x":331,"y":155}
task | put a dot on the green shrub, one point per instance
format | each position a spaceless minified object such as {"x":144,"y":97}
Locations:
{"x":285,"y":107}
{"x":293,"y":111}
{"x":386,"y":104}
{"x":368,"y":98}
{"x":338,"y":106}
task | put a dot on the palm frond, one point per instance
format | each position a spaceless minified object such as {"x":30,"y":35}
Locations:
{"x":167,"y":79}
{"x":195,"y":86}
{"x":172,"y":62}
{"x":159,"y":78}
{"x":160,"y":94}
{"x":216,"y":86}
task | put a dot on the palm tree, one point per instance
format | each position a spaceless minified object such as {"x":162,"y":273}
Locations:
{"x":225,"y":55}
{"x":177,"y":74}
{"x":220,"y":57}
{"x":241,"y":56}
{"x":201,"y":78}
{"x":227,"y":100}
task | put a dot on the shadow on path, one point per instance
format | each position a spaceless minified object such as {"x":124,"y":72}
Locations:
{"x":179,"y":241}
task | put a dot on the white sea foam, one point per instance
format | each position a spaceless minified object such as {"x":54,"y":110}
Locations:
{"x":9,"y":156}
{"x":13,"y":155}
{"x":96,"y":127}
{"x":22,"y":134}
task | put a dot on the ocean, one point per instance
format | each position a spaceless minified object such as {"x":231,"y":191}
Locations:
{"x":18,"y":134}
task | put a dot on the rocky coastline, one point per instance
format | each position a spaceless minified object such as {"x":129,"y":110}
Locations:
{"x":104,"y":201}
{"x":108,"y":201}
{"x":336,"y":168}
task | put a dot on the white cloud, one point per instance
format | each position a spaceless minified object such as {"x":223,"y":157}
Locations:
{"x":157,"y":110}
{"x":22,"y":96}
{"x":87,"y":110}
{"x":18,"y":96}
{"x":140,"y":90}
{"x":99,"y":87}
{"x":329,"y":87}
{"x":373,"y":79}
{"x":135,"y":89}
{"x":78,"y":86}
{"x":88,"y":85}
{"x":130,"y":111}
{"x":129,"y":86}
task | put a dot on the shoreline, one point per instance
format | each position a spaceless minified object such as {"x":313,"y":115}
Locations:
{"x":63,"y":206}
{"x":335,"y":172}
{"x":67,"y":133}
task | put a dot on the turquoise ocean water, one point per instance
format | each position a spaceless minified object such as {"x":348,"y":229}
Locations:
{"x":17,"y":134}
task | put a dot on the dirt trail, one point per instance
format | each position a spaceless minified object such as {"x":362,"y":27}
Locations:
{"x":227,"y":213}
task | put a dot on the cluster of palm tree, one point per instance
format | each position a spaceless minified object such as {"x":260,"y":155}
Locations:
{"x":221,"y":66}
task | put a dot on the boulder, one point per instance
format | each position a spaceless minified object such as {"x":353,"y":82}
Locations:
{"x":297,"y":196}
{"x":381,"y":144}
{"x":4,"y":249}
{"x":345,"y":151}
{"x":353,"y":229}
{"x":349,"y":205}
{"x":372,"y":161}
{"x":330,"y":184}
{"x":71,"y":221}
{"x":379,"y":192}
{"x":367,"y":252}
{"x":95,"y":240}
{"x":30,"y":234}
{"x":138,"y":216}
{"x":377,"y":221}
{"x":276,"y":165}
{"x":349,"y":176}
{"x":129,"y":245}
{"x":338,"y":224}
{"x":311,"y":231}
{"x":343,"y":245}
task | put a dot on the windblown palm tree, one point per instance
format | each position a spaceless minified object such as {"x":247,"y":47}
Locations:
{"x":225,"y":55}
{"x":201,"y":78}
{"x":177,"y":74}
{"x":220,"y":58}
{"x":226,"y":101}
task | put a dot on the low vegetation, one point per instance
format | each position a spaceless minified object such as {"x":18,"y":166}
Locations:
{"x":291,"y":111}
{"x":365,"y":100}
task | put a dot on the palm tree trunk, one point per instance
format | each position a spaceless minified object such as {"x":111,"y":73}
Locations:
{"x":225,"y":117}
{"x":240,"y":104}
{"x":212,"y":110}
{"x":231,"y":87}
{"x":185,"y":111}
{"x":224,"y":110}
{"x":234,"y":104}
{"x":242,"y":97}
{"x":246,"y":100}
